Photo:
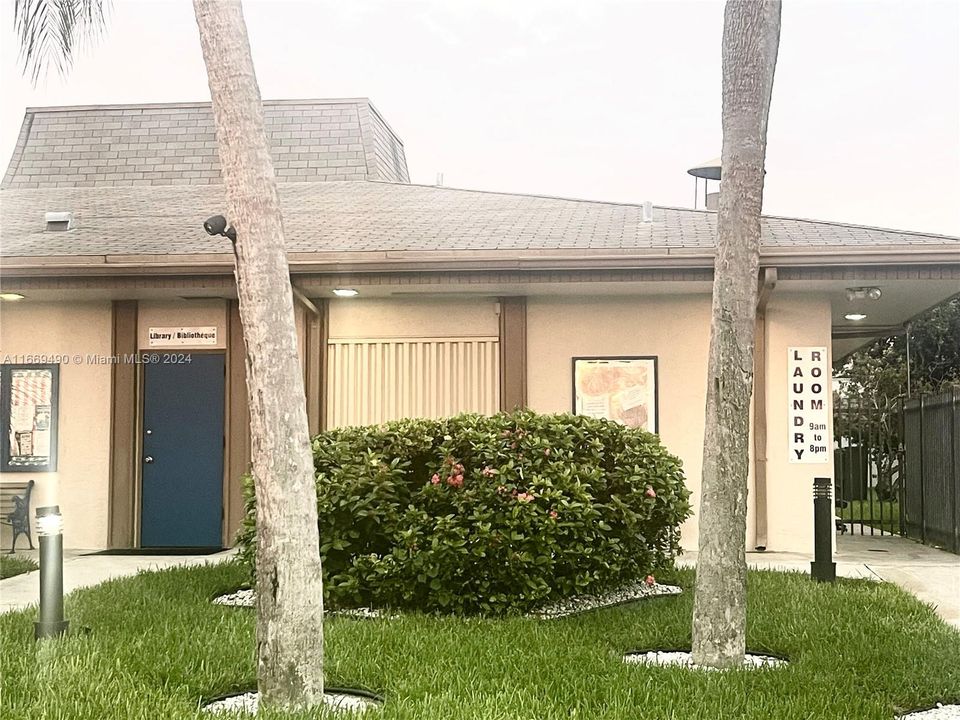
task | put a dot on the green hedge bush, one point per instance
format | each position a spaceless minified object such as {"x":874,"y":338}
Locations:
{"x":492,"y":515}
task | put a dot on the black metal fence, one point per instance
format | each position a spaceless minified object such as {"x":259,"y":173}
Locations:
{"x":868,"y":467}
{"x":930,"y":508}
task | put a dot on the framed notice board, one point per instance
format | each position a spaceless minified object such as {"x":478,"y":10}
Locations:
{"x":29,"y":411}
{"x":623,"y":389}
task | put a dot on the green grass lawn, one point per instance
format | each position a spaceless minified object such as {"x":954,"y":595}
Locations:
{"x":11,"y":565}
{"x":157,"y":646}
{"x":860,"y":510}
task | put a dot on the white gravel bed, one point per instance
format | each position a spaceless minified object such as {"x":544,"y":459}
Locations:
{"x":247,"y":598}
{"x":240,"y":598}
{"x":583,"y":603}
{"x":564,"y":608}
{"x":940,"y":712}
{"x":250,"y":702}
{"x":685,"y":659}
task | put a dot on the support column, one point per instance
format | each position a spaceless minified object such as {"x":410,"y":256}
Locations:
{"x":315,"y":367}
{"x":513,"y":353}
{"x":768,"y":280}
{"x":123,"y":426}
{"x":237,"y":426}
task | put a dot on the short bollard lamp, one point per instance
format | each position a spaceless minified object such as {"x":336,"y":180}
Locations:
{"x":823,"y":568}
{"x":50,"y":533}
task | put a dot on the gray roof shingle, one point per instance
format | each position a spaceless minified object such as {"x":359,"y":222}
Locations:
{"x":175,"y":144}
{"x":323,"y":217}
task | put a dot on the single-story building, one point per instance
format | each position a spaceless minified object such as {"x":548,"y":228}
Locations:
{"x":123,"y":362}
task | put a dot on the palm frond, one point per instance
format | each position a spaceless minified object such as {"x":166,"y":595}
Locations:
{"x":51,"y":30}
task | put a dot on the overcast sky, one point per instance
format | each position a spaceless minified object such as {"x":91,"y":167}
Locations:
{"x":592,"y":99}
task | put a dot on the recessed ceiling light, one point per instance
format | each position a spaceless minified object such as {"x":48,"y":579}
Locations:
{"x":855,"y":316}
{"x":11,"y":296}
{"x":345,"y":292}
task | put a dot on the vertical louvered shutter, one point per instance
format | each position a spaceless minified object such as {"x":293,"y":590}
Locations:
{"x":375,"y":380}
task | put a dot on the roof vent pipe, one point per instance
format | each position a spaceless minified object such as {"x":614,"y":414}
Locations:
{"x":647,"y":212}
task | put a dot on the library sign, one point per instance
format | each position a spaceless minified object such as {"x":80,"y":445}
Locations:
{"x":808,"y":398}
{"x":173,"y":336}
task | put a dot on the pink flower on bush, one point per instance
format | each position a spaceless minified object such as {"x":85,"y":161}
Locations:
{"x":489,"y":471}
{"x":546,"y":451}
{"x":525,"y":497}
{"x":553,"y":514}
{"x":455,"y":481}
{"x":651,"y":493}
{"x":650,"y":581}
{"x":435,"y":480}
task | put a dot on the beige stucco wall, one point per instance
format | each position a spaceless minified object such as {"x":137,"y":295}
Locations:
{"x":792,"y":320}
{"x":677,"y":330}
{"x":674,"y":328}
{"x":413,"y":318}
{"x":80,"y":485}
{"x":182,"y":313}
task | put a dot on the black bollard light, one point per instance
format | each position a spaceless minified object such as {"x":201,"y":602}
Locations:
{"x":823,"y":569}
{"x":50,"y":533}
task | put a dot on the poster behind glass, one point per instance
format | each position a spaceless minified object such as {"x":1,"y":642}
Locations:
{"x":623,"y":389}
{"x":28,"y":394}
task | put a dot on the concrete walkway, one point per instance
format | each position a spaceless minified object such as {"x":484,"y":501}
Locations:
{"x":931,"y":575}
{"x":81,"y":569}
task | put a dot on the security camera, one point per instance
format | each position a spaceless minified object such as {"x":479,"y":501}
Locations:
{"x":217,"y":225}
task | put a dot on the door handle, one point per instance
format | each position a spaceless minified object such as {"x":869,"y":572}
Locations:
{"x":148,"y":459}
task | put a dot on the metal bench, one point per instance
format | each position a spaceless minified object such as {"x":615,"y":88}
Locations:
{"x":15,"y":510}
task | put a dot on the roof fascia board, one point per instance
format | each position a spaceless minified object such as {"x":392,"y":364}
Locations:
{"x":405,"y":261}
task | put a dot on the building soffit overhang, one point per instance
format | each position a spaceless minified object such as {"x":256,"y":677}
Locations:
{"x":477,"y":260}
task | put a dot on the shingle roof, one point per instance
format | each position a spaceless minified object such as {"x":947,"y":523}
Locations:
{"x":174,"y":144}
{"x":357,"y":217}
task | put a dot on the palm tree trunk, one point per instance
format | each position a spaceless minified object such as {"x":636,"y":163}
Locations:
{"x":751,"y":35}
{"x":289,"y":590}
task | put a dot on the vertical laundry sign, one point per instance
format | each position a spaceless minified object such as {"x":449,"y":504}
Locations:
{"x":808,"y":397}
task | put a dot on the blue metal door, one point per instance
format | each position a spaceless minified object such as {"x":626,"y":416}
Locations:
{"x":182,"y":479}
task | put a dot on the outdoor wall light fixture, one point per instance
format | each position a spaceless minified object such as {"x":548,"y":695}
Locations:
{"x":50,"y":534}
{"x":346,"y":292}
{"x":11,"y":296}
{"x":217,"y":225}
{"x":855,"y":316}
{"x":863,"y":293}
